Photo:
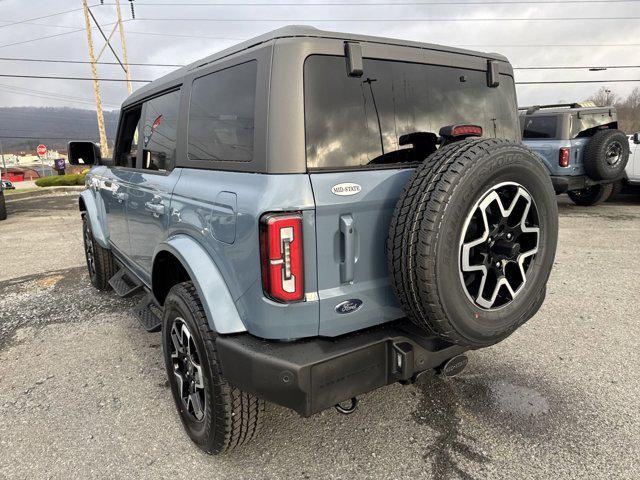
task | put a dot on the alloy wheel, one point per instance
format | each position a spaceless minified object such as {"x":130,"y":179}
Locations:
{"x":187,"y":370}
{"x":498,"y":245}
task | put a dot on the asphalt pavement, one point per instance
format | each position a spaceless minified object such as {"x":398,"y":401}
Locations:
{"x":83,"y":391}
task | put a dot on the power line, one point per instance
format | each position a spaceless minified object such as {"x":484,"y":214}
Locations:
{"x":46,"y":77}
{"x":373,"y":4}
{"x":50,"y":77}
{"x":331,"y":20}
{"x":47,"y":36}
{"x":556,"y":82}
{"x":47,"y":94}
{"x":605,"y":67}
{"x":18,"y":22}
{"x":548,"y":45}
{"x":555,"y":67}
{"x":42,"y":60}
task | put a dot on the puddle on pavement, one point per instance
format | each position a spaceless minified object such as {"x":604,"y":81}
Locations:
{"x":448,"y":406}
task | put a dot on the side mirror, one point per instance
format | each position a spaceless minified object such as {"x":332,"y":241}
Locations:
{"x":636,"y":137}
{"x":83,"y":153}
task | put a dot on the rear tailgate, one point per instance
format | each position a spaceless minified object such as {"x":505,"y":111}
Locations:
{"x":353,"y":212}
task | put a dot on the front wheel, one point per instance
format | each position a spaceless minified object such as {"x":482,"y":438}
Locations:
{"x":100,"y":264}
{"x":217,"y":416}
{"x":593,"y":195}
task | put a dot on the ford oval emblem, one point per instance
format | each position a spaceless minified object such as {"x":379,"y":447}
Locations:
{"x":348,"y":306}
{"x":344,"y":189}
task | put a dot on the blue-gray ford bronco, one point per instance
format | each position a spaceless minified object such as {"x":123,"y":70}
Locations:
{"x":581,"y":146}
{"x":314,"y":215}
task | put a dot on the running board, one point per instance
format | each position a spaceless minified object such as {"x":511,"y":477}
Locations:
{"x":149,"y":314}
{"x":125,"y":284}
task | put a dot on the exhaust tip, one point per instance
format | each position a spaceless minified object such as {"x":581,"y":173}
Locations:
{"x":454,"y":366}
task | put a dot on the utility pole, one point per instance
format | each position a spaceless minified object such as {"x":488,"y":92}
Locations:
{"x":4,"y":165}
{"x":104,"y":146}
{"x":125,"y":61}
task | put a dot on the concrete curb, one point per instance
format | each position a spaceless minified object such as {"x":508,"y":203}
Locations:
{"x":44,"y":191}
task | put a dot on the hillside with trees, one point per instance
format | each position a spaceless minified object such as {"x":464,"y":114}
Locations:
{"x":23,"y":128}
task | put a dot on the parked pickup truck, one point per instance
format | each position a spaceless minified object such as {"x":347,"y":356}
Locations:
{"x":314,"y":215}
{"x":581,"y":146}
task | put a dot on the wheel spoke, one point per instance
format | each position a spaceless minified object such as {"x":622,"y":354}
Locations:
{"x":196,"y":405}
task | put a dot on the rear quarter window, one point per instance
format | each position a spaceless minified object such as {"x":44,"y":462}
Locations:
{"x":539,"y":126}
{"x":222,"y":115}
{"x":358,"y":122}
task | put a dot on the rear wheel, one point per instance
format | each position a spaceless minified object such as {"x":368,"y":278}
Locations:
{"x":3,"y":207}
{"x":593,"y":195}
{"x":217,"y":416}
{"x":616,"y":190}
{"x":472,"y":241}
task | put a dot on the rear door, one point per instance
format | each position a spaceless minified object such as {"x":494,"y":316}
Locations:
{"x":153,"y":181}
{"x":360,"y":157}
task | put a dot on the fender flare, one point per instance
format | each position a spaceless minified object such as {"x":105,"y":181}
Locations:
{"x":218,"y":304}
{"x":91,"y":208}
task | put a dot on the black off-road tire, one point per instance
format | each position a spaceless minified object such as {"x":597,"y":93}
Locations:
{"x":3,"y":207}
{"x":593,"y":195}
{"x":423,"y":248}
{"x":597,"y":161}
{"x":231,"y":417}
{"x":616,"y":190}
{"x":100,"y":264}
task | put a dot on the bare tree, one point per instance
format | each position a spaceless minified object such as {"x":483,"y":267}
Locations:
{"x":604,"y":97}
{"x":628,"y":108}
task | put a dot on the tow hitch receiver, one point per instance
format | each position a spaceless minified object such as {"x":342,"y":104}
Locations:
{"x":454,"y":366}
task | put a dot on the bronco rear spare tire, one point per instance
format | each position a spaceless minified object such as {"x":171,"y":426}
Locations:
{"x":606,"y":155}
{"x":472,"y":241}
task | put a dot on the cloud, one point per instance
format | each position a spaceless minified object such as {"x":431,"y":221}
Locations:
{"x":170,"y":42}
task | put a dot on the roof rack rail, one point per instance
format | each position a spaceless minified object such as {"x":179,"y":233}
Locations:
{"x":533,"y":108}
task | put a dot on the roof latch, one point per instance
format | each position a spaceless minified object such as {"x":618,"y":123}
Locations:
{"x":493,"y":74}
{"x":353,"y":51}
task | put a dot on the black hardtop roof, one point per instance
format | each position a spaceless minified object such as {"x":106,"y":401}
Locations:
{"x":290,"y":31}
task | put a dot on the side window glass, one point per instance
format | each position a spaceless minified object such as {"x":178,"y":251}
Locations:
{"x":221,"y":115}
{"x":159,"y":132}
{"x":127,"y":145}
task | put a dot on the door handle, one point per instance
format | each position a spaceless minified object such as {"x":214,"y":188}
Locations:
{"x":156,"y":208}
{"x":347,"y":236}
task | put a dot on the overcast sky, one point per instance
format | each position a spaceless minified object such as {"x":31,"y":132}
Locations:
{"x":152,"y":40}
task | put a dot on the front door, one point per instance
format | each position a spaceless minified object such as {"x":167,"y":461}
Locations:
{"x":114,"y":190}
{"x":152,"y":183}
{"x":114,"y":181}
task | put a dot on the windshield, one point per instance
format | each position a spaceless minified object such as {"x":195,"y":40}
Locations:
{"x":393,"y":113}
{"x":539,"y":126}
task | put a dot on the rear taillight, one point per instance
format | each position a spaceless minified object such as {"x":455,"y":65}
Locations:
{"x":281,"y":256}
{"x":563,"y":159}
{"x":466,"y":130}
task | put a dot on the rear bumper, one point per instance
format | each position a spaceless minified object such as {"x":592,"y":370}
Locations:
{"x":311,"y":375}
{"x":562,"y":184}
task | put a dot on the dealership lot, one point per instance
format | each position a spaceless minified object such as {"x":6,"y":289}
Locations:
{"x":83,"y":390}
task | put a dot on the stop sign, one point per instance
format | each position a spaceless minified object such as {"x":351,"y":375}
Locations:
{"x":41,"y":150}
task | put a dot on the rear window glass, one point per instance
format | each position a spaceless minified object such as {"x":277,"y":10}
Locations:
{"x":539,"y":126}
{"x":221,"y":115}
{"x":355,"y":122}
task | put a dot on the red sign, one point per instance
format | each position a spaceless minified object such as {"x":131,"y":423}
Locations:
{"x":41,"y":150}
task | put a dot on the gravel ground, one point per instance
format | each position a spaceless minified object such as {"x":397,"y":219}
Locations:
{"x":83,"y":392}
